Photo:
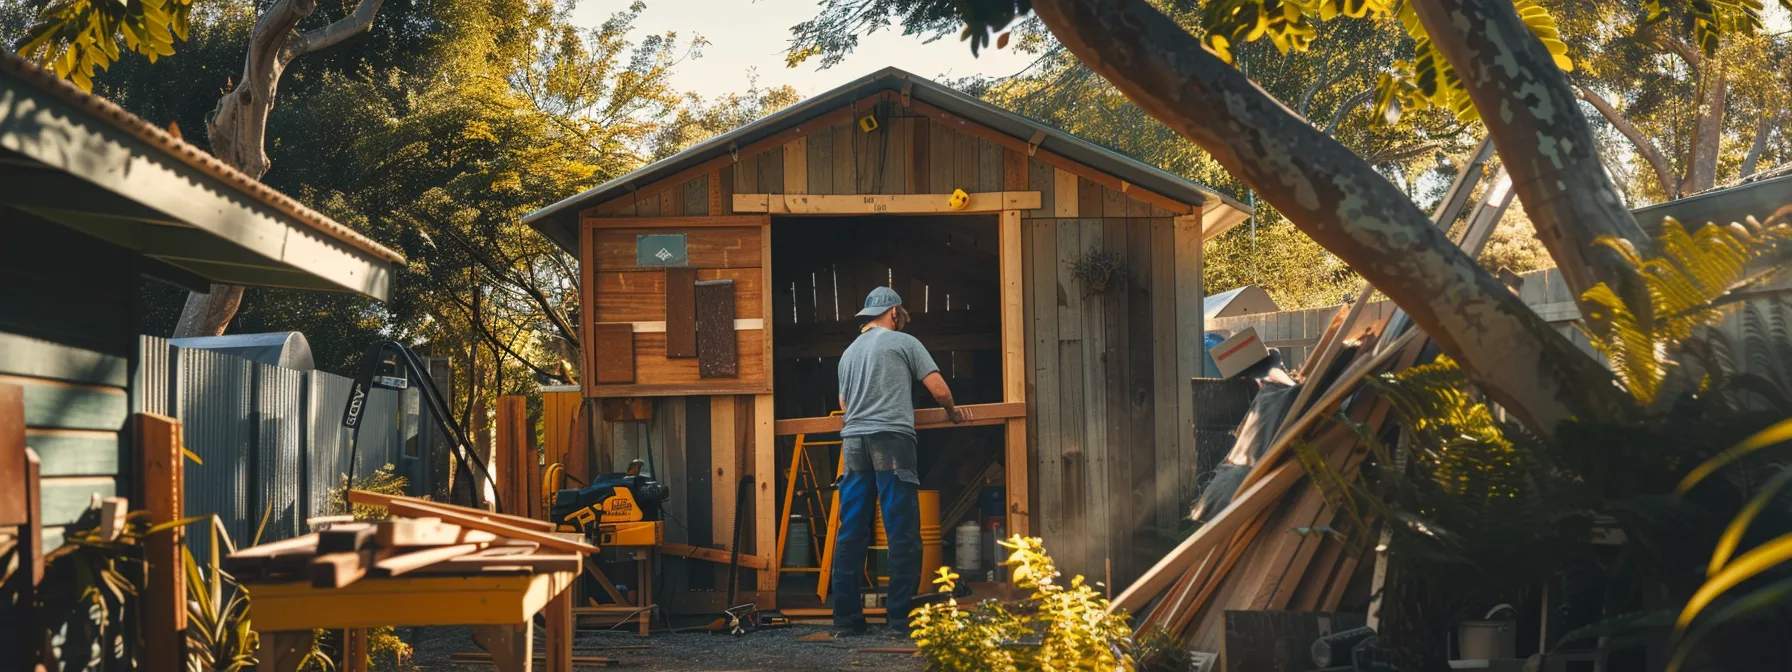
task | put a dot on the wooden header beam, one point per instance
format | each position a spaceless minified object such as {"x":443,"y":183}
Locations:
{"x":926,"y":418}
{"x":884,"y":204}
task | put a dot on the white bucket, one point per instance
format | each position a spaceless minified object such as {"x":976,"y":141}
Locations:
{"x":968,"y":544}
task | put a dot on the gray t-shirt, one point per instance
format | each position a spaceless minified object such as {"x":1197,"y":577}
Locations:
{"x":875,"y":374}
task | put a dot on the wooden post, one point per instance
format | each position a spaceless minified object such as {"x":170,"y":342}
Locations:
{"x":281,"y":651}
{"x":354,"y":650}
{"x":161,"y":471}
{"x":511,"y":452}
{"x":22,"y":506}
{"x":559,"y":632}
{"x":765,"y":481}
{"x":512,"y":646}
{"x":1014,"y":376}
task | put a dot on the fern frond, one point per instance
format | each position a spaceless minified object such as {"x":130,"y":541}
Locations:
{"x":1691,"y":271}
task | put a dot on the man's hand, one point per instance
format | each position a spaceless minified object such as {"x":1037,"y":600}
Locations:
{"x":956,"y":415}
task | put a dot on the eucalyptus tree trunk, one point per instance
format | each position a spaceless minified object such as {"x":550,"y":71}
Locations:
{"x":238,"y":126}
{"x":1708,"y":133}
{"x":1339,"y":200}
{"x":1544,"y":141}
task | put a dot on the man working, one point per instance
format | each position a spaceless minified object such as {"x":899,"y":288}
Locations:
{"x":879,"y":448}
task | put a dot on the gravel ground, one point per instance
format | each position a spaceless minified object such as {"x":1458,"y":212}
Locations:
{"x":768,"y":649}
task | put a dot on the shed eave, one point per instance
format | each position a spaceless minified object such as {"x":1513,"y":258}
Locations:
{"x":62,"y":161}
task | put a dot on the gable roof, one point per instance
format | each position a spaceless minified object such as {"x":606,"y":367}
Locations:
{"x":560,"y":220}
{"x":81,"y":161}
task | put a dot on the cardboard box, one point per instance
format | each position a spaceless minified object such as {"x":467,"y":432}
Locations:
{"x":1239,"y":352}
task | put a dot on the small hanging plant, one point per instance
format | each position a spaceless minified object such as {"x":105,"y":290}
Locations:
{"x":1099,"y":270}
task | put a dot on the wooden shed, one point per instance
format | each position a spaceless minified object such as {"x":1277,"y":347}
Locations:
{"x":721,"y":283}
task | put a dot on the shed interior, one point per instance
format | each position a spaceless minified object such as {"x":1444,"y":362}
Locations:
{"x":947,"y":269}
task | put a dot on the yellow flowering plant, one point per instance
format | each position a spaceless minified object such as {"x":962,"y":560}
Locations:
{"x":1057,"y":627}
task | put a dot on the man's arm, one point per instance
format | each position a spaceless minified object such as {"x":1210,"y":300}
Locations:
{"x":936,"y":384}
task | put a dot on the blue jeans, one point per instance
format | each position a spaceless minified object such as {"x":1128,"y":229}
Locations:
{"x":862,"y":488}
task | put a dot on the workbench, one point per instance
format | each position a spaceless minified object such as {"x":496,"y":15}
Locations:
{"x":499,"y":607}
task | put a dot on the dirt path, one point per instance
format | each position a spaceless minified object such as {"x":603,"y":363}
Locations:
{"x":769,"y":649}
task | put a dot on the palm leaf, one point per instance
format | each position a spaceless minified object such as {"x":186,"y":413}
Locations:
{"x":1750,"y":565}
{"x":1779,"y":433}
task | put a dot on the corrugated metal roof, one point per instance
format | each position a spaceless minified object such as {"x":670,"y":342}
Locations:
{"x":100,"y":108}
{"x":559,"y":221}
{"x":1722,"y":206}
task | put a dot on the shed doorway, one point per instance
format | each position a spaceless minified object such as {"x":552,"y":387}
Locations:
{"x":947,"y":268}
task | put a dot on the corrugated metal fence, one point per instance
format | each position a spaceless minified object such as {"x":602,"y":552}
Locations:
{"x":270,"y":440}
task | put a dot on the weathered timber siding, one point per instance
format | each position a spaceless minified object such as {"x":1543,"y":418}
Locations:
{"x":1113,"y":467}
{"x":66,"y":321}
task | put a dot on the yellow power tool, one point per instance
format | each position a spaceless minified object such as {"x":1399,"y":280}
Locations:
{"x":614,"y":510}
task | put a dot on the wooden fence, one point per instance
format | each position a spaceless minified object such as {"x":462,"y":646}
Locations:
{"x":1296,"y":332}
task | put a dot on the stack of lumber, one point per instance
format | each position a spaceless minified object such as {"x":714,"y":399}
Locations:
{"x":1279,"y":545}
{"x":421,"y":538}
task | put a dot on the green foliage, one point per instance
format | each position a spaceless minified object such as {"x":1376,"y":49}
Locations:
{"x":1057,"y":627}
{"x":383,"y":480}
{"x":90,"y":587}
{"x":220,"y":637}
{"x":1692,"y":271}
{"x":1712,"y":19}
{"x":1157,"y":650}
{"x":1727,"y":571}
{"x":1296,"y":271}
{"x":1290,"y":25}
{"x":1463,"y":494}
{"x":73,"y":37}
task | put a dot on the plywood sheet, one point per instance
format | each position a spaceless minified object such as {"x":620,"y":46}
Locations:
{"x":681,"y":312}
{"x":615,"y":353}
{"x":717,"y":354}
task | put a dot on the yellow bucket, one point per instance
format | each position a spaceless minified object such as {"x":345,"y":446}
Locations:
{"x":932,"y":551}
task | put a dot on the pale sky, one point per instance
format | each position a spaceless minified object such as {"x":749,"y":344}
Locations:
{"x":750,"y":35}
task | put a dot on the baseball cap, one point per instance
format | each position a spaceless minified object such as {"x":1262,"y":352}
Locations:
{"x":880,"y":300}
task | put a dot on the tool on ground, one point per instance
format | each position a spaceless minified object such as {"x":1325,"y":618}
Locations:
{"x":614,"y":510}
{"x":392,"y":365}
{"x":743,"y":618}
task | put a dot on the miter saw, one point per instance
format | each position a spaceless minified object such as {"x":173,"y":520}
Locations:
{"x":613,"y":510}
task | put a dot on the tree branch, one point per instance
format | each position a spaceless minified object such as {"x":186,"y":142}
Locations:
{"x":1339,"y":200}
{"x":1763,"y":131}
{"x":567,"y":331}
{"x":1686,"y":52}
{"x":1670,"y":183}
{"x":341,"y":29}
{"x":1338,"y":115}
